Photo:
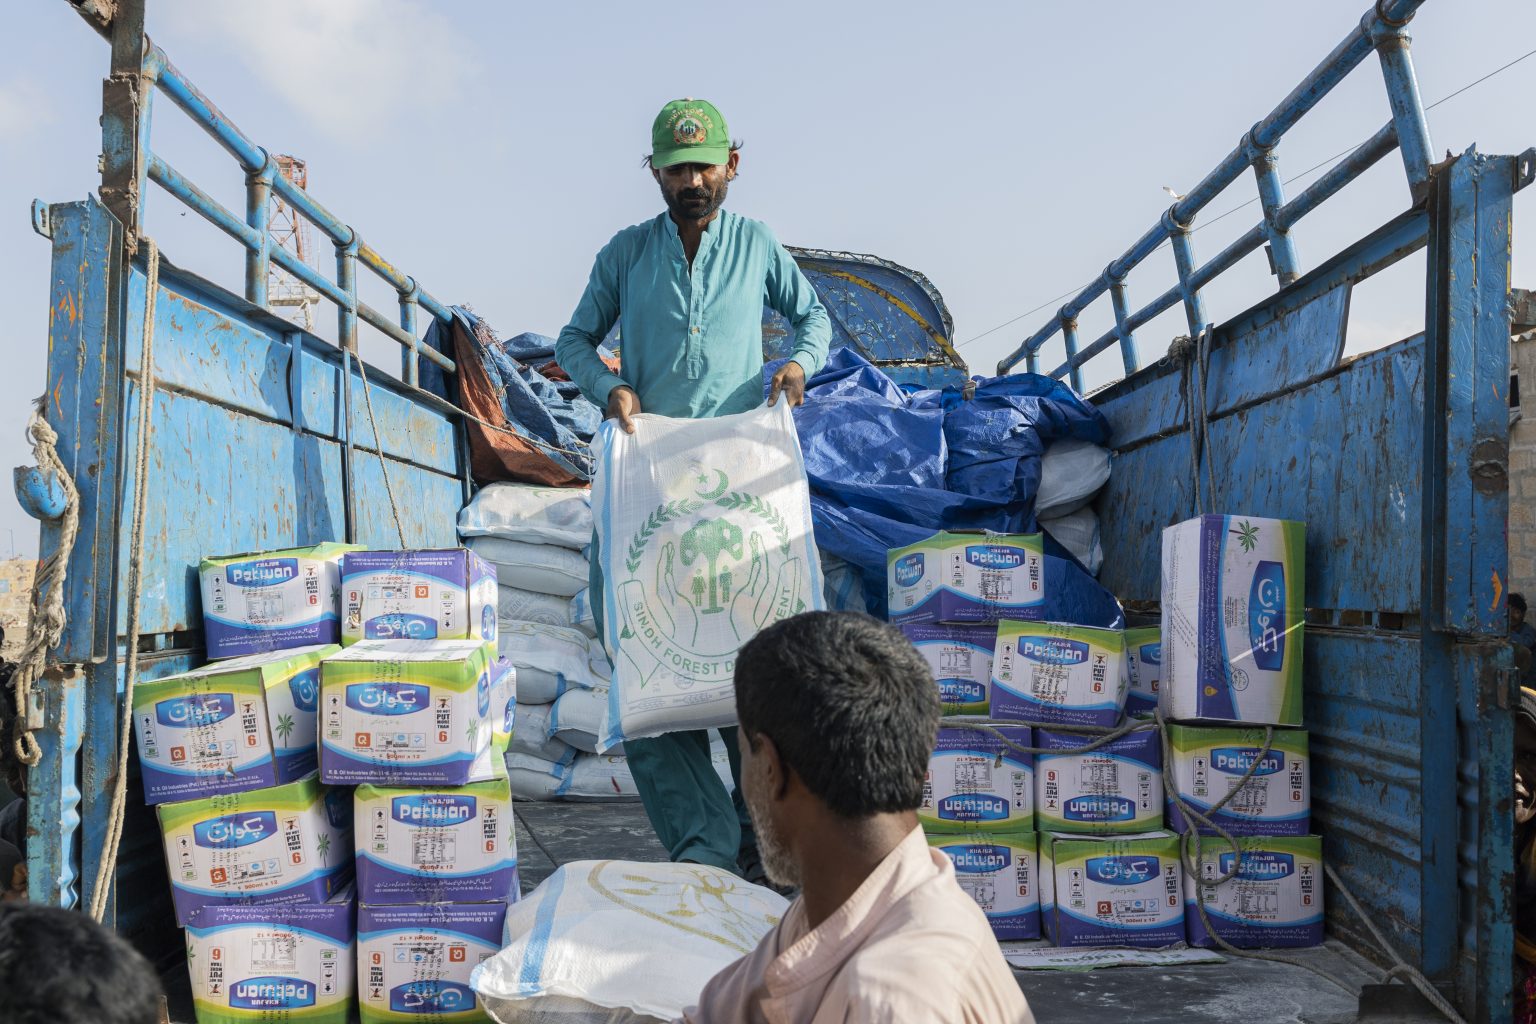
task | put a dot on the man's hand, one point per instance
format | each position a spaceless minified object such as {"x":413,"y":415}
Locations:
{"x":622,"y":404}
{"x":790,"y":380}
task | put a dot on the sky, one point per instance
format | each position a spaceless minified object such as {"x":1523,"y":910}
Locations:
{"x":1008,"y":151}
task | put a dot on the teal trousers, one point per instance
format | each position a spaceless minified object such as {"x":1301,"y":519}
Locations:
{"x":694,"y":816}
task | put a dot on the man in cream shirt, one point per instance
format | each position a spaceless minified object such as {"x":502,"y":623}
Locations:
{"x":838,"y":715}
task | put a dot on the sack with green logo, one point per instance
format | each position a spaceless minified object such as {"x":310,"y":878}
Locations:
{"x":705,"y":531}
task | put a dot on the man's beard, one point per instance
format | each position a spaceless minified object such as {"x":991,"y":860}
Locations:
{"x":777,"y":862}
{"x":695,"y":203}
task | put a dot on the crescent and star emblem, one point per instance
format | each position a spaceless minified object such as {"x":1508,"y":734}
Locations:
{"x":719,"y":489}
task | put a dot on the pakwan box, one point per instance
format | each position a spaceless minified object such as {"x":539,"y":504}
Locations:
{"x":1211,"y":761}
{"x":1117,"y":787}
{"x":272,"y":600}
{"x":251,"y":965}
{"x":438,"y":844}
{"x":438,"y":594}
{"x":409,"y":713}
{"x":233,"y":725}
{"x":287,"y":844}
{"x":1234,"y":602}
{"x":1052,"y":673}
{"x":1275,"y":902}
{"x":979,"y":781}
{"x":414,"y":962}
{"x":960,"y":658}
{"x":1000,"y":871}
{"x":1143,"y":670}
{"x":1112,"y":890}
{"x":967,"y":577}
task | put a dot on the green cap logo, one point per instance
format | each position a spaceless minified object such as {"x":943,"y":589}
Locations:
{"x":689,"y":131}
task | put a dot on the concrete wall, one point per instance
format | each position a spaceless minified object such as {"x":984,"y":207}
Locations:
{"x":15,"y":601}
{"x":1522,"y":472}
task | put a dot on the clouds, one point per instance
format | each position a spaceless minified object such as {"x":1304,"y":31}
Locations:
{"x":352,"y":68}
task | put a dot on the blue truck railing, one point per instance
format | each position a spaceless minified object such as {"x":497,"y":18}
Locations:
{"x":1383,"y":29}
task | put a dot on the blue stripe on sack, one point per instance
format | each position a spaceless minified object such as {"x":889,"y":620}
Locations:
{"x":817,"y":580}
{"x":528,"y":979}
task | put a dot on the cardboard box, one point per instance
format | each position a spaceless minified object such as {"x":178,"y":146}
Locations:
{"x":439,"y":594}
{"x":272,"y":600}
{"x":264,"y":847}
{"x":435,"y":844}
{"x":1275,"y":902}
{"x":1143,"y":670}
{"x":1115,"y":788}
{"x":1112,"y":890}
{"x":961,"y":660}
{"x":251,"y":965}
{"x":1209,"y":762}
{"x":967,"y":578}
{"x":977,"y":782}
{"x":1051,"y":673}
{"x":234,"y":725}
{"x":1000,"y":871}
{"x":1234,"y":591}
{"x":409,"y":713}
{"x":414,"y":962}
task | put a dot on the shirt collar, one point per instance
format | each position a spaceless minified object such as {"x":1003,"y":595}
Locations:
{"x":825,"y":947}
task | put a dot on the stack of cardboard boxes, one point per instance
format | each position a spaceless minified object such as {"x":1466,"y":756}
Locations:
{"x":252,"y":760}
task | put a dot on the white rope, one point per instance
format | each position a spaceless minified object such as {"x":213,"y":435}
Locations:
{"x":46,"y":623}
{"x":378,"y":448}
{"x":114,"y":836}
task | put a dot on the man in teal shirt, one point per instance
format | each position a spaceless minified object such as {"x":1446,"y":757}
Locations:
{"x":690,"y":286}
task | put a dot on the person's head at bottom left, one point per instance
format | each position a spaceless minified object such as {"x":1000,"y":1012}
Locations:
{"x":60,"y":967}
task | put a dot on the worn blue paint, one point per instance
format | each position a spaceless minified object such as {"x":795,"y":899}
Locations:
{"x":1381,"y":28}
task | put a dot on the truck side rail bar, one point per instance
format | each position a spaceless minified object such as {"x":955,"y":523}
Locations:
{"x":1383,"y":28}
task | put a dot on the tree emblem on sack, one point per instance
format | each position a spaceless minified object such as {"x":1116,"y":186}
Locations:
{"x":722,"y":567}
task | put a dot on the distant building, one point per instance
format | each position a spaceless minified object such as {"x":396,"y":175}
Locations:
{"x":16,"y":576}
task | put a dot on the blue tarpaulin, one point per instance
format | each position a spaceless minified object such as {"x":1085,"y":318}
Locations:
{"x":887,"y":468}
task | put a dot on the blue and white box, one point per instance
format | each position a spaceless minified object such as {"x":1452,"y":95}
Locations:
{"x":1117,"y":787}
{"x":441,"y":844}
{"x":272,"y":600}
{"x":1234,"y":604}
{"x":1000,"y":871}
{"x":1054,"y":673}
{"x":1112,"y":890}
{"x":1274,"y":902}
{"x":1211,"y":762}
{"x":415,"y":962}
{"x":967,"y":577}
{"x":1143,"y":670}
{"x":437,"y":594}
{"x":960,"y":658}
{"x":981,"y":778}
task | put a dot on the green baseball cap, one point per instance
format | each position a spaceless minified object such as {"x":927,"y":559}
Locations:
{"x":689,"y":131}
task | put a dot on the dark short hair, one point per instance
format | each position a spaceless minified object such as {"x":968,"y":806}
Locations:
{"x":850,"y":704}
{"x":60,"y":967}
{"x":1517,"y":602}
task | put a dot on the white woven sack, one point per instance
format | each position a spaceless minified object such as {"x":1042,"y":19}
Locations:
{"x":621,"y":935}
{"x":531,"y":735}
{"x":527,"y":512}
{"x":599,"y":778}
{"x":577,"y":717}
{"x":1071,"y":473}
{"x":535,"y":686}
{"x":1078,"y":532}
{"x":534,"y":778}
{"x":559,"y":650}
{"x":580,"y":613}
{"x":597,"y":660}
{"x":530,"y":606}
{"x":706,"y":539}
{"x":542,"y":568}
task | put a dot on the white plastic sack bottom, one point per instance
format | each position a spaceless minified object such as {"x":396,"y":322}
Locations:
{"x":1071,"y":473}
{"x":556,"y":650}
{"x":599,"y":778}
{"x":620,"y":935}
{"x":580,"y":612}
{"x":531,"y":735}
{"x":705,"y":530}
{"x":844,"y":585}
{"x":1078,"y":532}
{"x":534,"y":778}
{"x":597,"y":660}
{"x":527,"y":512}
{"x":542,"y":568}
{"x":577,"y":717}
{"x":530,"y":606}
